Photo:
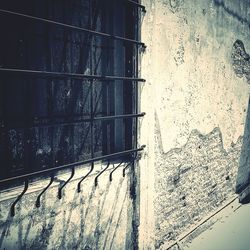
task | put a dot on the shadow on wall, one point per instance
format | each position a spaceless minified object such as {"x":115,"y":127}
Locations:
{"x":231,"y":12}
{"x":99,"y":218}
{"x":241,"y":66}
{"x":243,"y":176}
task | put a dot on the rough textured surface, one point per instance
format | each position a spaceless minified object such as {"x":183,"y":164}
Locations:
{"x":192,"y":180}
{"x":99,"y":217}
{"x":241,"y":60}
{"x":196,"y":116}
{"x":197,"y":72}
{"x":243,"y":177}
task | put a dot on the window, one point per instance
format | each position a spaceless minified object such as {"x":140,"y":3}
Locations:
{"x":68,"y":83}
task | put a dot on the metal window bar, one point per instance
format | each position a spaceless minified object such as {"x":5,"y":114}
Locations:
{"x":46,"y":74}
{"x":72,"y":27}
{"x":91,"y":94}
{"x":75,"y":164}
{"x":91,"y":77}
{"x":53,"y":123}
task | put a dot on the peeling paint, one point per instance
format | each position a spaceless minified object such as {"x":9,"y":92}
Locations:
{"x":193,"y":99}
{"x":174,"y":5}
{"x":241,"y":60}
{"x":192,"y":180}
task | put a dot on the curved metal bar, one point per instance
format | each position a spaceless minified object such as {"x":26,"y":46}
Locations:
{"x":79,"y":183}
{"x":96,"y":178}
{"x":12,"y":208}
{"x":111,"y":173}
{"x":131,"y":162}
{"x":70,"y":165}
{"x":124,"y":170}
{"x":65,"y":183}
{"x":44,"y":190}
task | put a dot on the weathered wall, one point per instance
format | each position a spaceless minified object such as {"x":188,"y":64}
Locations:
{"x":196,"y":98}
{"x":99,"y":217}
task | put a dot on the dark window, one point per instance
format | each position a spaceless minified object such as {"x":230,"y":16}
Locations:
{"x":68,"y":82}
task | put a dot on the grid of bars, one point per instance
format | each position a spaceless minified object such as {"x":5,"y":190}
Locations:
{"x":104,"y":42}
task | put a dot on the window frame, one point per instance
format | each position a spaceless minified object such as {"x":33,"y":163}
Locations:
{"x":117,"y":117}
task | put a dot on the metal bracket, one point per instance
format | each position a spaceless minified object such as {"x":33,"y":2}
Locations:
{"x":79,"y":183}
{"x":12,"y":208}
{"x":65,"y":183}
{"x":111,"y":173}
{"x":96,"y":178}
{"x":44,"y":190}
{"x":124,"y":170}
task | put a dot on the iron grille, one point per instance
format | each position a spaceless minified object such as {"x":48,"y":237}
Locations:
{"x":69,"y":84}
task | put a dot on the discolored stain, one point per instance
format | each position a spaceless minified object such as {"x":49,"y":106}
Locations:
{"x":193,"y":177}
{"x":175,"y":5}
{"x":180,"y":53}
{"x":240,"y":60}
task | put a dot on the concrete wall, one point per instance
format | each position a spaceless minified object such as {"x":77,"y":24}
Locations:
{"x":101,"y":217}
{"x":196,"y":98}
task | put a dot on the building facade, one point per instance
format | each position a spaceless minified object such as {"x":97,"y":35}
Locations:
{"x":194,"y":58}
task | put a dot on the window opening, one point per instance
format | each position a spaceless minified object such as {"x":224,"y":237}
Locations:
{"x":68,"y":86}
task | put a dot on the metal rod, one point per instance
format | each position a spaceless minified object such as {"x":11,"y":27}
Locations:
{"x":124,"y":170}
{"x":80,"y":182}
{"x":72,"y":27}
{"x":119,"y":116}
{"x":99,"y":158}
{"x":12,"y":208}
{"x":65,"y":183}
{"x":96,"y":178}
{"x":44,"y":190}
{"x":91,"y":90}
{"x":111,"y":173}
{"x":67,"y":75}
{"x":137,"y":5}
{"x":100,"y":118}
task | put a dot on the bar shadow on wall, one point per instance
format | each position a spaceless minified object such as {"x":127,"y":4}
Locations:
{"x":104,"y":228}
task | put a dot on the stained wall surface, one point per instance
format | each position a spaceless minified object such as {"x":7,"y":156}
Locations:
{"x":99,"y":217}
{"x":196,"y":98}
{"x":57,"y":133}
